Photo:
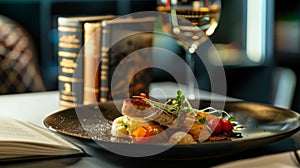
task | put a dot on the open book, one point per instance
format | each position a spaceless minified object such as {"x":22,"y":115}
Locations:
{"x":21,"y":141}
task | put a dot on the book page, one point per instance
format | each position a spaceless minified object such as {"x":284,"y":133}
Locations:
{"x":12,"y":130}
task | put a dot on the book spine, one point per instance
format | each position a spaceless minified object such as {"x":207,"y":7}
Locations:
{"x":91,"y":81}
{"x":104,"y":65}
{"x":70,"y":74}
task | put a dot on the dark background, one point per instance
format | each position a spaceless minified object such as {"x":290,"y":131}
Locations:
{"x":253,"y":83}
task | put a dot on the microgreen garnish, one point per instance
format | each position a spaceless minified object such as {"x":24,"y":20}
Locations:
{"x":202,"y":120}
{"x":124,"y":124}
{"x":180,"y":97}
{"x":232,"y":119}
{"x":181,"y":103}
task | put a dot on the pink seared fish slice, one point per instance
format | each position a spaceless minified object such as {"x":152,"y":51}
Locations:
{"x":138,"y":108}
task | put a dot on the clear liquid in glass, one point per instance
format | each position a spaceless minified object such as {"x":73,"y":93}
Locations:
{"x":203,"y":14}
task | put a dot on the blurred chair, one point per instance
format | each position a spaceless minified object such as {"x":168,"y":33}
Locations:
{"x":19,"y":72}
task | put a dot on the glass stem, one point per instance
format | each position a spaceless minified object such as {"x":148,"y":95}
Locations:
{"x":190,"y":59}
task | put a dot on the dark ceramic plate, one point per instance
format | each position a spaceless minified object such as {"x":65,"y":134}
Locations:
{"x":264,"y":124}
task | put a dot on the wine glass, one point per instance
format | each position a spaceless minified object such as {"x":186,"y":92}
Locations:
{"x":203,"y":15}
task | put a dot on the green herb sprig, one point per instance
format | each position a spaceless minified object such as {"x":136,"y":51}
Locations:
{"x":124,"y":124}
{"x":181,"y":103}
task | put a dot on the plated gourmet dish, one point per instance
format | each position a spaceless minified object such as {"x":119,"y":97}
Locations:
{"x":146,"y":120}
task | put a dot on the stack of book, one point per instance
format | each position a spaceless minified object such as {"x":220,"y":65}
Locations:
{"x":103,"y":58}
